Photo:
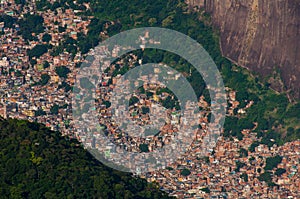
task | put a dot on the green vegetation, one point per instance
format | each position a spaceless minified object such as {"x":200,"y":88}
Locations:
{"x":270,"y":110}
{"x":39,"y":112}
{"x":206,"y":190}
{"x":45,"y":79}
{"x":61,"y":29}
{"x":245,"y":177}
{"x":239,"y":165}
{"x":54,"y":109}
{"x":107,"y":103}
{"x":37,"y":51}
{"x":170,"y":102}
{"x":145,"y":110}
{"x":170,"y":168}
{"x":22,"y":2}
{"x":46,"y":38}
{"x":267,"y":177}
{"x":133,"y":100}
{"x":66,"y":86}
{"x":144,"y":147}
{"x":185,"y":172}
{"x":206,"y":159}
{"x":293,"y":111}
{"x":62,"y":71}
{"x":243,"y":152}
{"x":38,"y":163}
{"x":33,"y":62}
{"x":31,"y":24}
{"x":18,"y":73}
{"x":8,"y":20}
{"x":232,"y":129}
{"x":46,"y":64}
{"x":253,"y":146}
{"x":280,"y":171}
{"x":272,"y":162}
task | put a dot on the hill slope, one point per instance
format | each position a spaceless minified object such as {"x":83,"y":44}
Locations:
{"x":260,"y":35}
{"x":38,"y":163}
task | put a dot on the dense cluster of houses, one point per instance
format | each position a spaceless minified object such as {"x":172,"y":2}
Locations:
{"x":218,"y":173}
{"x":21,"y":96}
{"x":222,"y":173}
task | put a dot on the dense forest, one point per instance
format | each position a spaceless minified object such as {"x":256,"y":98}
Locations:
{"x":38,"y":163}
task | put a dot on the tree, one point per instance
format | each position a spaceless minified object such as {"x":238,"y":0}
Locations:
{"x":245,"y":123}
{"x":149,"y":94}
{"x":272,"y":162}
{"x":280,"y":171}
{"x":43,"y":5}
{"x":61,"y":29}
{"x":33,"y":62}
{"x":267,"y":177}
{"x":34,"y":156}
{"x":37,"y":51}
{"x":170,"y":168}
{"x":290,"y":131}
{"x":114,"y":29}
{"x":239,"y":165}
{"x":31,"y":24}
{"x":22,"y":2}
{"x":206,"y":190}
{"x":62,"y":71}
{"x":46,"y":64}
{"x":133,"y":100}
{"x":270,"y":138}
{"x":243,"y":152}
{"x":39,"y":112}
{"x":144,"y":147}
{"x":185,"y":172}
{"x":46,"y":37}
{"x":8,"y":20}
{"x":242,"y":96}
{"x":294,"y":111}
{"x":107,"y":104}
{"x":167,"y":21}
{"x":245,"y":177}
{"x":54,"y":109}
{"x":145,"y":110}
{"x":168,"y":103}
{"x":45,"y":79}
{"x":253,"y":146}
{"x":263,"y":124}
{"x":16,"y":192}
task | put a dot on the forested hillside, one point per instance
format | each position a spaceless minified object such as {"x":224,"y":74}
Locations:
{"x":38,"y":163}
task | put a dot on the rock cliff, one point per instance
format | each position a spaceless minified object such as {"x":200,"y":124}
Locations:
{"x":261,"y":35}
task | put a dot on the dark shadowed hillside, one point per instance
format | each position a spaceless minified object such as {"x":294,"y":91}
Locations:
{"x":38,"y":163}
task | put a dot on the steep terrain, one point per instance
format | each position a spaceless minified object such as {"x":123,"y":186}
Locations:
{"x":38,"y":163}
{"x":261,"y":35}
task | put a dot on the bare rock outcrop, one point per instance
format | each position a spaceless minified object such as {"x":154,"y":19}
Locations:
{"x":261,"y":35}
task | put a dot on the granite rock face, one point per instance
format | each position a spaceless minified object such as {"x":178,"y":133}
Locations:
{"x":261,"y":35}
